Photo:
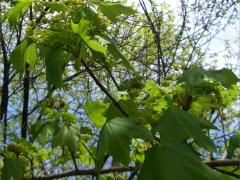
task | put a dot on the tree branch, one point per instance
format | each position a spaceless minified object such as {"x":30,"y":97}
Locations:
{"x":90,"y":172}
{"x":157,"y":41}
{"x":24,"y":128}
{"x":221,"y":163}
{"x":26,"y":87}
{"x":5,"y":88}
{"x":94,"y":172}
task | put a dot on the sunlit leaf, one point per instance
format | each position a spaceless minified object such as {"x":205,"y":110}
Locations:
{"x":82,"y":29}
{"x":31,"y":55}
{"x":113,"y":10}
{"x":95,"y":111}
{"x":18,"y":11}
{"x":24,"y":53}
{"x":17,"y":57}
{"x":56,"y":6}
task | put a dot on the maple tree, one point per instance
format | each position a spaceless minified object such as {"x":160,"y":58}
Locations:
{"x":88,"y":92}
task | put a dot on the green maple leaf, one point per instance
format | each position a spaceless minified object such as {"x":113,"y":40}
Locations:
{"x":56,"y":6}
{"x":194,"y":76}
{"x":115,"y":139}
{"x":67,"y":137}
{"x":225,"y":76}
{"x":82,"y":30}
{"x":113,"y":10}
{"x":54,"y":61}
{"x":18,"y":11}
{"x":128,"y":105}
{"x":234,"y":143}
{"x":13,"y":168}
{"x":171,"y":160}
{"x":24,"y":53}
{"x":95,"y":111}
{"x":112,"y":48}
{"x":115,"y":52}
{"x":41,"y":131}
{"x":176,"y":124}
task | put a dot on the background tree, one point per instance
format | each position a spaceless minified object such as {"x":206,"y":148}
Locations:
{"x":98,"y":90}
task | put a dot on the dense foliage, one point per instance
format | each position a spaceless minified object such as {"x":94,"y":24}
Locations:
{"x":100,"y":90}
